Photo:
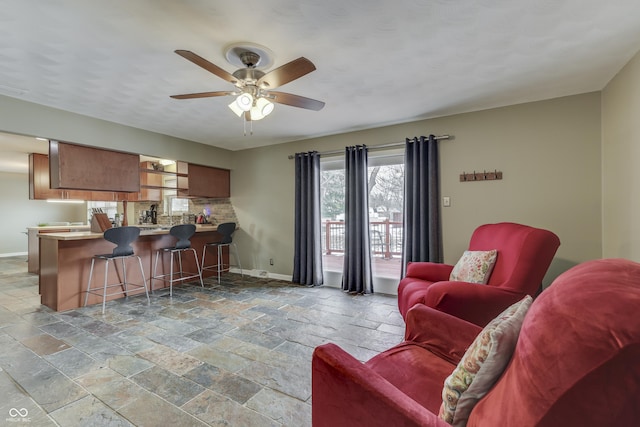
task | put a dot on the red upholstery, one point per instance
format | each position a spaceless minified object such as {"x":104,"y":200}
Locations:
{"x":576,"y":363}
{"x":524,"y":256}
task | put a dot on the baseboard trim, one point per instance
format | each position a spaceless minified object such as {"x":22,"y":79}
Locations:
{"x":331,"y":279}
{"x":263,"y":274}
{"x":10,"y":254}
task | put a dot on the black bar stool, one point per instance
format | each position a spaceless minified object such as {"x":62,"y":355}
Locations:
{"x":226,"y":230}
{"x":183,"y":233}
{"x":122,"y":237}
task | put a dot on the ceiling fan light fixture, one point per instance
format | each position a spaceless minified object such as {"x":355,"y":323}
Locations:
{"x":265,"y":106}
{"x":244,"y":101}
{"x":261,"y":109}
{"x":234,"y":107}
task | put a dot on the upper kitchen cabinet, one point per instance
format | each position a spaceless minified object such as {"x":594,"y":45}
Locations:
{"x":206,"y":181}
{"x":39,"y":188}
{"x":94,"y":169}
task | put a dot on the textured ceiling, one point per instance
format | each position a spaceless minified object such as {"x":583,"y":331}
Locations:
{"x":378,"y":62}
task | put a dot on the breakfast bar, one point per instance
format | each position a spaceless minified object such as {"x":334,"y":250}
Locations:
{"x":65,"y":260}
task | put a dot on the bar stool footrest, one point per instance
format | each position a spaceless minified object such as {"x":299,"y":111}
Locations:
{"x":164,"y":278}
{"x":100,"y":291}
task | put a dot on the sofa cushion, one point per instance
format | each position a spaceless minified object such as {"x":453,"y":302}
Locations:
{"x":474,"y":266}
{"x":482,"y":364}
{"x":405,"y":366}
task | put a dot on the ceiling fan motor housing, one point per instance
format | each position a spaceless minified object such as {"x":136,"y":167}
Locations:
{"x":247,"y":76}
{"x":250,"y":59}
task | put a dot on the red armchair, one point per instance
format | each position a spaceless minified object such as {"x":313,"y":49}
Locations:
{"x":575,"y":363}
{"x":524,"y":255}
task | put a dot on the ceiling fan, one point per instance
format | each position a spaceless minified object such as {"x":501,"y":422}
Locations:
{"x":253,"y":87}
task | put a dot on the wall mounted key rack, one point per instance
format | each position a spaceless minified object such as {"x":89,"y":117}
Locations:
{"x":480,"y":176}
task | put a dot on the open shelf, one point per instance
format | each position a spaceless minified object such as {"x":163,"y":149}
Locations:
{"x":159,"y":172}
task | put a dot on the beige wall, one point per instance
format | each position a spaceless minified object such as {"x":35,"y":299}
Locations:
{"x":21,"y":212}
{"x":621,"y":164}
{"x":549,"y":153}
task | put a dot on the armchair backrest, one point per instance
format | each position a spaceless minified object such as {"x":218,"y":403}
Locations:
{"x":524,"y":254}
{"x":577,"y":360}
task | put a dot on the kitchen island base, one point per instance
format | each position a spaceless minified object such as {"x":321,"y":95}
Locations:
{"x":65,"y":261}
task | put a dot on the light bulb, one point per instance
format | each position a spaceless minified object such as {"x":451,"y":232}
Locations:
{"x":265,"y":105}
{"x":245,"y":101}
{"x":261,"y":109}
{"x":234,"y":107}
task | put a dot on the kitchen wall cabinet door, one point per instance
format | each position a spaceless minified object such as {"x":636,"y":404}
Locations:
{"x":39,"y":178}
{"x":81,"y":167}
{"x":205,"y":181}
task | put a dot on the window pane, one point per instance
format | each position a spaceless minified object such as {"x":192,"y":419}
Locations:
{"x":110,"y":208}
{"x":386,"y":188}
{"x":179,"y":205}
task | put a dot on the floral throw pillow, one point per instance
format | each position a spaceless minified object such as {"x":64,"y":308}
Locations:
{"x":474,"y":266}
{"x":482,"y":364}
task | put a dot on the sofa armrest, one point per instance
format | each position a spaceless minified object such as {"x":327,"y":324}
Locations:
{"x":443,"y":334}
{"x":472,"y":302}
{"x":347,"y":393}
{"x":431,"y":271}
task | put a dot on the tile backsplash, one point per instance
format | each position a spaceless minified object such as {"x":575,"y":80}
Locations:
{"x":217,"y":211}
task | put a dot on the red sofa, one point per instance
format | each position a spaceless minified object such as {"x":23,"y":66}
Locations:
{"x":524,"y":256}
{"x":576,"y":363}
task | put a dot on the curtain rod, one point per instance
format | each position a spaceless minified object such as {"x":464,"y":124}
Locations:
{"x":374,"y":147}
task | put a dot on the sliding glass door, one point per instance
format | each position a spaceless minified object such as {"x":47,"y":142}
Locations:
{"x":386,"y":181}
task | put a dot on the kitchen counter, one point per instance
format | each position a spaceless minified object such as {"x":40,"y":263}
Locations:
{"x":85,"y":235}
{"x":70,"y":226}
{"x":65,"y":260}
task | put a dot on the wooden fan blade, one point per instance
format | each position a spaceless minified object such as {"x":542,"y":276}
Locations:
{"x":295,"y":100}
{"x":212,"y":68}
{"x":286,"y":73}
{"x":203,"y":94}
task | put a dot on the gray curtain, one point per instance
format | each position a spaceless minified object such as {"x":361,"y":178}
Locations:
{"x":356,"y":272}
{"x":307,"y":258}
{"x":422,"y":232}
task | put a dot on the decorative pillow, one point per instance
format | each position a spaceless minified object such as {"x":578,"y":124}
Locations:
{"x":474,"y":266}
{"x":482,"y":364}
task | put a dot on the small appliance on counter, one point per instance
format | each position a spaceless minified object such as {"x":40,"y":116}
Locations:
{"x":153,"y":212}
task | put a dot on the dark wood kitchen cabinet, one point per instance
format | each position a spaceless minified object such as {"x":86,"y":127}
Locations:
{"x":80,"y":167}
{"x":206,"y":181}
{"x":39,"y":184}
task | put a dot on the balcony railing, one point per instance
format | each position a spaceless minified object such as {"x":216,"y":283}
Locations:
{"x":385,"y":237}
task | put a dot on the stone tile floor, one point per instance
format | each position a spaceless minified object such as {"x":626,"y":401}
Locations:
{"x":234,"y":354}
